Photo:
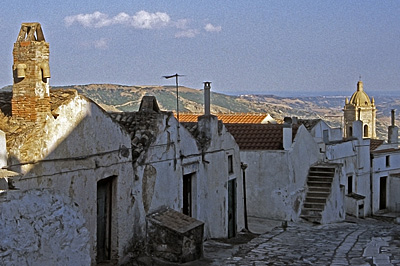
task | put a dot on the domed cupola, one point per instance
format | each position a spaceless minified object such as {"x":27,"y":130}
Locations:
{"x":360,"y":98}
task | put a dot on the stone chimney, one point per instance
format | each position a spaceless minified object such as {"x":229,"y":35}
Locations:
{"x":393,"y":131}
{"x":207,"y":103}
{"x":31,"y":93}
{"x":287,"y":133}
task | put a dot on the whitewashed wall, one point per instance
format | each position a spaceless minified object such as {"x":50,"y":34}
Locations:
{"x":77,"y":149}
{"x":42,"y":227}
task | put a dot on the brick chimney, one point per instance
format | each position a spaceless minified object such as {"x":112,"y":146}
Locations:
{"x":31,"y":93}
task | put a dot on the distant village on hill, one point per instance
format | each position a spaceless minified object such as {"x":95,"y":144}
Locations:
{"x":109,"y":174}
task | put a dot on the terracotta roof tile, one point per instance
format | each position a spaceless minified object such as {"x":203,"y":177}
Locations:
{"x":234,"y":118}
{"x":375,"y":143}
{"x":258,"y":136}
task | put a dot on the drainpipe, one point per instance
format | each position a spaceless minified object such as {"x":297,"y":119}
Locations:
{"x":244,"y":166}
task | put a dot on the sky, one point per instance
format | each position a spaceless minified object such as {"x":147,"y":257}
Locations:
{"x":291,"y":48}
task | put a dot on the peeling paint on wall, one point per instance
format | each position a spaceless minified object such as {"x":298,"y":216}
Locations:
{"x":148,"y":184}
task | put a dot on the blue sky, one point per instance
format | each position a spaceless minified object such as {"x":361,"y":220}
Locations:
{"x":270,"y":47}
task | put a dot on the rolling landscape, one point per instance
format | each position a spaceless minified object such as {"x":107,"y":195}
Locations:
{"x":116,"y":98}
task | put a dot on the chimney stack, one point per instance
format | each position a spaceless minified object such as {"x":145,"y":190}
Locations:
{"x":31,"y":93}
{"x":393,"y":131}
{"x":287,"y":133}
{"x":207,"y":104}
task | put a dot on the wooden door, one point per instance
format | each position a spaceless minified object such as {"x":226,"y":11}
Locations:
{"x":104,"y":212}
{"x":232,"y":208}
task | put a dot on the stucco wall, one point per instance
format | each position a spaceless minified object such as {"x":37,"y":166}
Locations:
{"x":79,"y":148}
{"x":391,"y":171}
{"x":42,"y":227}
{"x":276,"y":180}
{"x":172,"y":155}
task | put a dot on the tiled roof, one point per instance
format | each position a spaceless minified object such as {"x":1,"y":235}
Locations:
{"x":259,"y":136}
{"x":375,"y":143}
{"x":239,"y":118}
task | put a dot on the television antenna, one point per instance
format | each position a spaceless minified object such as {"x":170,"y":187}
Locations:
{"x":177,"y":95}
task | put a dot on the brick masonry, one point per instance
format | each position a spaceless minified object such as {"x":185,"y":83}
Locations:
{"x":31,"y":95}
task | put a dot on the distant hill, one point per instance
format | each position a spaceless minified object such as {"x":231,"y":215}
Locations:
{"x":127,"y":98}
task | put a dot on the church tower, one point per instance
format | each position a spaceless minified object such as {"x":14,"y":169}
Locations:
{"x":360,"y":107}
{"x":31,"y":93}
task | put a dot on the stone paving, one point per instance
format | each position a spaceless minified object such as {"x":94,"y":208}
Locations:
{"x":354,"y":242}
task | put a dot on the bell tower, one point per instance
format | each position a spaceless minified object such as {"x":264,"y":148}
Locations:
{"x":31,"y":93}
{"x":360,"y":107}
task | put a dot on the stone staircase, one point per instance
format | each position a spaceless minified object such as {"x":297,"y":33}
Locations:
{"x":319,"y":182}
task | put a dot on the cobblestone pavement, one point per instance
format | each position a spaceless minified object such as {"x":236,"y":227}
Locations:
{"x":359,"y":242}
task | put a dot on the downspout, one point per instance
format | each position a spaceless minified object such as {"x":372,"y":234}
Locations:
{"x":371,"y":181}
{"x":244,"y":166}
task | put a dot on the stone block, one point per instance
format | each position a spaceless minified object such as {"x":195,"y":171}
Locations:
{"x":174,"y":237}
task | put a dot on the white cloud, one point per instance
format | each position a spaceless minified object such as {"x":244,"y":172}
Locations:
{"x":141,"y":20}
{"x":181,"y":24}
{"x":146,"y":20}
{"x":101,"y":44}
{"x":211,"y":28}
{"x":191,"y":33}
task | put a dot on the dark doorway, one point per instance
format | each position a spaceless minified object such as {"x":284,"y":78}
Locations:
{"x":104,"y":214}
{"x":187,"y":194}
{"x":382,"y":192}
{"x":349,"y":184}
{"x":232,"y":208}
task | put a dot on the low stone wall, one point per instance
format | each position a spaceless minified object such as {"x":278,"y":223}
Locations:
{"x":40,"y":227}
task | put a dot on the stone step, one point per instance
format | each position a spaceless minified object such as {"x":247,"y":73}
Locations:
{"x":312,"y":219}
{"x":311,"y":212}
{"x":319,"y":189}
{"x":315,"y":200}
{"x":322,"y":169}
{"x":318,"y":194}
{"x":311,"y":173}
{"x":318,"y":184}
{"x":316,"y":206}
{"x":320,"y":178}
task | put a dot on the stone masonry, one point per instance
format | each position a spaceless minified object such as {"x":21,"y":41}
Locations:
{"x":31,"y":71}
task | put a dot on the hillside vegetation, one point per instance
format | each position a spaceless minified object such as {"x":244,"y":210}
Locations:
{"x":127,"y":98}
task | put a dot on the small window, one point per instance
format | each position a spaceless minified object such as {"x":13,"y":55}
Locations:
{"x":387,"y":161}
{"x":230,"y":164}
{"x":365,"y":131}
{"x":350,"y":132}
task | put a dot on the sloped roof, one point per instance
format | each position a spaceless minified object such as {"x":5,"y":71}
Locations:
{"x":375,"y":143}
{"x":308,"y":123}
{"x":259,"y":136}
{"x":239,"y":118}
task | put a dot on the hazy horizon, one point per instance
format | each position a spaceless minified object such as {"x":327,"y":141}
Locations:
{"x":269,"y":47}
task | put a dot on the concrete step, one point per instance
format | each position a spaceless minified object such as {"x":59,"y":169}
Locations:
{"x":321,"y":174}
{"x":315,"y":200}
{"x":316,"y":206}
{"x":319,"y":189}
{"x":320,"y":178}
{"x":319,"y":184}
{"x":318,"y":194}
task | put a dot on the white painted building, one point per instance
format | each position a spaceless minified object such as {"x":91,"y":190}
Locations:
{"x":275,"y":177}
